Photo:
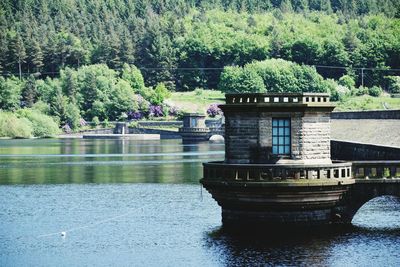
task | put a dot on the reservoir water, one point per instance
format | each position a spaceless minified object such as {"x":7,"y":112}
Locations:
{"x":79,"y":202}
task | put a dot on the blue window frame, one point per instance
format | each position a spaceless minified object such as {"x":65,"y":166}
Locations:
{"x":281,"y":136}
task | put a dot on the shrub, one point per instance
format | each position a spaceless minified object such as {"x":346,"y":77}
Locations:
{"x":272,"y":75}
{"x":42,"y":125}
{"x":156,"y":111}
{"x":73,"y":116}
{"x":10,"y":93}
{"x":14,"y":127}
{"x":240,"y":80}
{"x":96,"y":121}
{"x":392,"y":84}
{"x":360,"y":91}
{"x":159,"y":94}
{"x":106,"y":123}
{"x":337,"y":92}
{"x":134,"y":77}
{"x":347,"y":80}
{"x":213,"y":110}
{"x":135,"y":115}
{"x":375,"y":91}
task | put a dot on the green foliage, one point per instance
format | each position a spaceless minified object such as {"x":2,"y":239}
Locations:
{"x":367,"y":102}
{"x":96,"y":121}
{"x":360,"y":91}
{"x":134,"y":77}
{"x":29,"y":92}
{"x":14,"y":127}
{"x":198,"y":37}
{"x":159,"y":94}
{"x":375,"y":91}
{"x":337,"y":92}
{"x":122,"y":100}
{"x":72,"y":115}
{"x":42,"y":125}
{"x":10,"y":93}
{"x":392,"y":84}
{"x":238,"y":79}
{"x":272,"y":75}
{"x":348,"y":81}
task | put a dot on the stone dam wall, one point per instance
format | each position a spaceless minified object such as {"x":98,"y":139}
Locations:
{"x":371,"y":114}
{"x":342,"y":150}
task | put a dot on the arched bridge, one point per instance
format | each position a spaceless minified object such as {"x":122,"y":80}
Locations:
{"x":280,"y":193}
{"x":373,"y":179}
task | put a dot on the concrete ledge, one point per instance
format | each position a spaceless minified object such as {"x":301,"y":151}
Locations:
{"x":378,"y":181}
{"x":358,"y":151}
{"x":123,"y":136}
{"x":370,"y":114}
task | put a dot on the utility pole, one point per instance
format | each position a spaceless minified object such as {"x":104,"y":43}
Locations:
{"x":362,"y":77}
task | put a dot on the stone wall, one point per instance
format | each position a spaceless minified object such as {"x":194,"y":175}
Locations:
{"x":164,"y":134}
{"x":241,"y":137}
{"x":371,"y":114}
{"x":248,"y":137}
{"x":150,"y":124}
{"x":351,"y":151}
{"x":315,"y":137}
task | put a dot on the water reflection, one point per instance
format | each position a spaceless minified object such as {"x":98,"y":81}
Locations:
{"x":104,"y":161}
{"x":372,"y":240}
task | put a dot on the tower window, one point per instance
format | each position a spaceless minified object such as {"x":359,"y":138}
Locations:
{"x":281,"y":136}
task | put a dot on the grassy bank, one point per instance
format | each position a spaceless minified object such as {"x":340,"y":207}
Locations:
{"x":199,"y":100}
{"x":196,"y":101}
{"x":366,"y":102}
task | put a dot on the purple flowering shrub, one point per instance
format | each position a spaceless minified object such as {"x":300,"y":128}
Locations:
{"x":213,"y":110}
{"x":156,"y":111}
{"x":135,"y":115}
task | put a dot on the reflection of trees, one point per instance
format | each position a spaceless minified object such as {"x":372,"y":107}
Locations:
{"x":138,"y":169}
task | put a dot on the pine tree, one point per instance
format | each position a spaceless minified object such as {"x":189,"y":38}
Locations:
{"x":29,"y":92}
{"x":3,"y":52}
{"x":127,"y":49}
{"x":286,"y":6}
{"x":36,"y":56}
{"x":19,"y":52}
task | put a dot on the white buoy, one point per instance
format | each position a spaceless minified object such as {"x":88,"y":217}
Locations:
{"x":63,"y":234}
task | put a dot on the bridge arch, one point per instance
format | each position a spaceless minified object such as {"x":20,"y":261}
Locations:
{"x":379,"y":212}
{"x":364,"y":191}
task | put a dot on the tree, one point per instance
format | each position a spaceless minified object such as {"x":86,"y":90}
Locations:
{"x":29,"y":92}
{"x":241,"y":80}
{"x":286,"y":6}
{"x":36,"y":56}
{"x":122,"y":100}
{"x":19,"y":52}
{"x":10,"y":93}
{"x":69,"y":83}
{"x":127,"y":49}
{"x":132,"y":74}
{"x":305,"y":51}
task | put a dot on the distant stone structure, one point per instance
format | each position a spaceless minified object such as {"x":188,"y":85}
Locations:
{"x":121,"y":128}
{"x":194,"y":127}
{"x":278,"y":168}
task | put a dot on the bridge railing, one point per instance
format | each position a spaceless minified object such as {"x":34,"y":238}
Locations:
{"x":376,"y":169}
{"x":193,"y":130}
{"x":265,"y":172}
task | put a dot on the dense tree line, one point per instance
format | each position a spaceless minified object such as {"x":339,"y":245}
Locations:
{"x":185,"y":44}
{"x":92,"y":93}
